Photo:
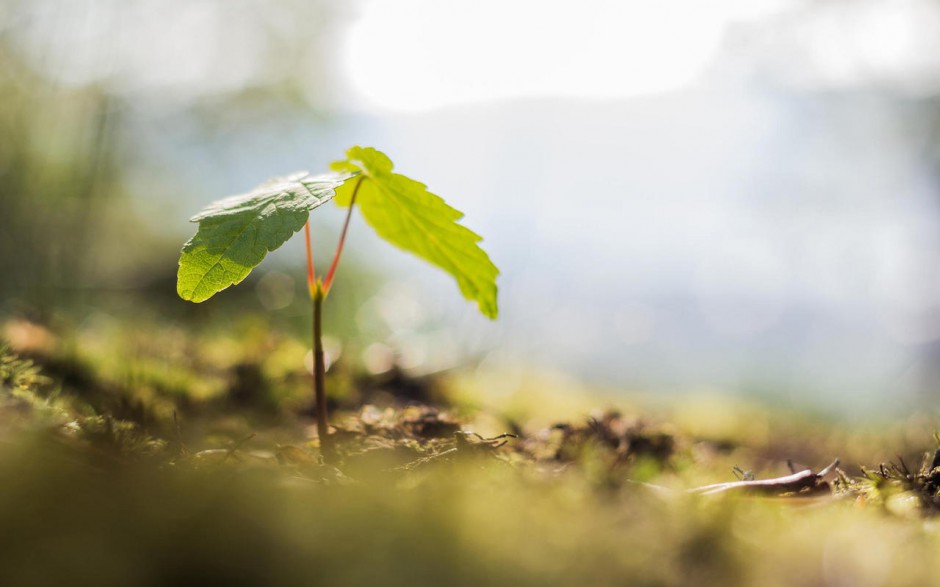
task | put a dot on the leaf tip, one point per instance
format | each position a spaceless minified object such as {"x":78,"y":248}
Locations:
{"x":184,"y":292}
{"x":490,"y":310}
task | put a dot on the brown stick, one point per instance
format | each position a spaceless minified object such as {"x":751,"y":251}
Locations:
{"x":803,"y":481}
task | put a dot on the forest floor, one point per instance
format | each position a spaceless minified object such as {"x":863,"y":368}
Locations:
{"x":163,"y":460}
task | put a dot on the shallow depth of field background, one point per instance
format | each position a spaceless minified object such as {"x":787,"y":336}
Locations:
{"x":728,"y":196}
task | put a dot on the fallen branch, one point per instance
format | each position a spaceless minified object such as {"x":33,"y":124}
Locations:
{"x":802,"y":483}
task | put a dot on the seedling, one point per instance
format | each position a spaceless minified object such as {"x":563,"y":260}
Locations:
{"x":236,"y":233}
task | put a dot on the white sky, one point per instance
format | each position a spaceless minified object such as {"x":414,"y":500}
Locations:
{"x":412,"y":55}
{"x":418,"y":55}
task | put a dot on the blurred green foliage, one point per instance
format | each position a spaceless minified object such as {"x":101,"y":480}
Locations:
{"x":95,"y":95}
{"x":57,"y":176}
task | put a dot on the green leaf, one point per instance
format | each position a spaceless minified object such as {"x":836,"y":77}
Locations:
{"x":236,"y":233}
{"x":406,"y":214}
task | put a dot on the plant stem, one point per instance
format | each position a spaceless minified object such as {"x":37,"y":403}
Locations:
{"x":319,"y":369}
{"x":328,"y":282}
{"x":311,"y":274}
{"x":318,"y":293}
{"x":319,"y":372}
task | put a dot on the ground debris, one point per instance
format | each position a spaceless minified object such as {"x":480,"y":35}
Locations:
{"x":391,"y":441}
{"x":900,"y":490}
{"x":419,"y":423}
{"x":621,"y":439}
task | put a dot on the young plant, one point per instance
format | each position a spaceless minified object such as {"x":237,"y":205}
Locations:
{"x":236,"y":233}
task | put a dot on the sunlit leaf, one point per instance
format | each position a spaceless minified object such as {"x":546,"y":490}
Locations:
{"x":406,"y":214}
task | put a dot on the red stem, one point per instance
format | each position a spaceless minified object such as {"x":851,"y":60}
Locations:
{"x":342,"y":240}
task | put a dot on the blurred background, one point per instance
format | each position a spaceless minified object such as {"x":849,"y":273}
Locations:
{"x":738,"y":196}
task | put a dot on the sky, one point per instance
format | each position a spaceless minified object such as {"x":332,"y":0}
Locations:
{"x":419,"y":55}
{"x":415,"y":55}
